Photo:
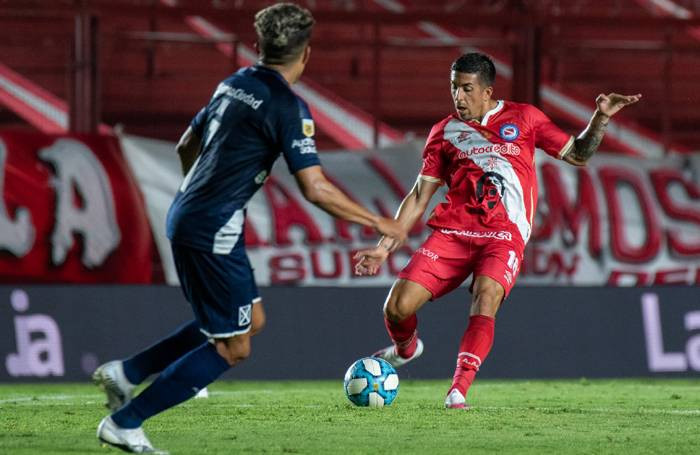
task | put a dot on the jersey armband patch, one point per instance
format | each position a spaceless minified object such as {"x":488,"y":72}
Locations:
{"x":429,"y":178}
{"x":307,"y":127}
{"x":567,"y":148}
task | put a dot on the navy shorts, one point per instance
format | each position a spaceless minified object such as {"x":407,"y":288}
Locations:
{"x":221,"y":289}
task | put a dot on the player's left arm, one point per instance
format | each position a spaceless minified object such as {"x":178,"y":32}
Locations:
{"x":188,"y":149}
{"x":190,"y":144}
{"x":587,"y":143}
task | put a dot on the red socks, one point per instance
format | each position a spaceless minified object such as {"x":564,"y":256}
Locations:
{"x":404,"y":335}
{"x":475,"y":346}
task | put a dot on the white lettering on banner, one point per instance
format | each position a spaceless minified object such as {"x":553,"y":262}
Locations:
{"x":78,"y":170}
{"x":306,"y":145}
{"x":39,"y":348}
{"x":658,"y":359}
{"x":498,"y":235}
{"x":16,"y":236}
{"x":617,"y":221}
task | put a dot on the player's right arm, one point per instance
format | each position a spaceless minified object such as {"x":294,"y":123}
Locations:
{"x":318,"y":190}
{"x":414,"y":205}
{"x":410,"y":211}
{"x":295,"y":129}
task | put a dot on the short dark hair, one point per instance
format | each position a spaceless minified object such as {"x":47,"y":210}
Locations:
{"x":476,"y":63}
{"x":283,"y":31}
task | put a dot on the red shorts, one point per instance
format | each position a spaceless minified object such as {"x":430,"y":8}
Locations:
{"x":448,"y":257}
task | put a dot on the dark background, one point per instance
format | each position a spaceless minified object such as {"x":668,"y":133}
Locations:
{"x":316,"y":333}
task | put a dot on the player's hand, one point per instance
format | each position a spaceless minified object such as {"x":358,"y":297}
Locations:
{"x":391,"y":228}
{"x":370,"y":260}
{"x":612,"y":103}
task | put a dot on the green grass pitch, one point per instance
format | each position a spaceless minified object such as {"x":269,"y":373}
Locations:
{"x":314,"y":417}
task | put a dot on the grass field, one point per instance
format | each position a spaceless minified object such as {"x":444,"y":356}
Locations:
{"x":584,"y":416}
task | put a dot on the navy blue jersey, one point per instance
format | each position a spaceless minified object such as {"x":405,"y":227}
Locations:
{"x":252,"y":118}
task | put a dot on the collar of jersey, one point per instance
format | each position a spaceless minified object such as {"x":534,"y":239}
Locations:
{"x":260,"y":67}
{"x":494,"y":111}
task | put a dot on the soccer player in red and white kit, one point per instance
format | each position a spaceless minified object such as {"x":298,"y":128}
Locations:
{"x":485,"y":153}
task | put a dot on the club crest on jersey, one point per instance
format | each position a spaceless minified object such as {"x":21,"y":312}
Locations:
{"x":509,"y":132}
{"x":307,"y":127}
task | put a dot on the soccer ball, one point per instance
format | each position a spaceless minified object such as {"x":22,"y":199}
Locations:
{"x":372,"y":382}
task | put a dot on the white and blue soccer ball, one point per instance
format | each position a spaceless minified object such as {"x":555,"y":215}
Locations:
{"x":372,"y":382}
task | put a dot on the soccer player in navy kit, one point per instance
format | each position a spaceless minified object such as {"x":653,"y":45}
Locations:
{"x":227,"y":153}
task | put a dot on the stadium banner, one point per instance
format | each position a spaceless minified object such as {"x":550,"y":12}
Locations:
{"x":619,"y":221}
{"x":62,"y":333}
{"x":70,"y":211}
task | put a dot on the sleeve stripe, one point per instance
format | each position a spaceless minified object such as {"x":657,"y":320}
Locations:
{"x":429,"y":178}
{"x":567,"y":148}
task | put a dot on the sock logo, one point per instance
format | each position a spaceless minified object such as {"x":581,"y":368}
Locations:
{"x":244,"y":315}
{"x":467,"y":359}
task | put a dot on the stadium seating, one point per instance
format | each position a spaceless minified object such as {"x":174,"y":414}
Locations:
{"x":153,"y":87}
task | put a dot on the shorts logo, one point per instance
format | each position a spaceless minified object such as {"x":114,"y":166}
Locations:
{"x":244,"y":315}
{"x":509,"y":277}
{"x":509,"y":132}
{"x":431,"y":254}
{"x":307,"y":127}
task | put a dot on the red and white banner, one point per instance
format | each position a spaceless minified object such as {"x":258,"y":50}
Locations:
{"x":70,"y":212}
{"x":618,"y":221}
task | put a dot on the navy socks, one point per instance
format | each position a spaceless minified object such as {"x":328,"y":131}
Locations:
{"x":158,"y":356}
{"x":177,"y":383}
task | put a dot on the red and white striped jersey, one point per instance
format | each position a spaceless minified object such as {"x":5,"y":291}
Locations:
{"x":489,"y":168}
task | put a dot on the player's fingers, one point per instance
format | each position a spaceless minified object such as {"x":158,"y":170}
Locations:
{"x":362,"y":253}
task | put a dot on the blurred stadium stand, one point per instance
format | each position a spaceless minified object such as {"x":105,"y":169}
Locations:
{"x":150,"y":64}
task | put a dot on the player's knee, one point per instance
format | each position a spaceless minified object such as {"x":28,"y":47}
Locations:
{"x":487,"y":298}
{"x":487,"y":303}
{"x":235,"y":349}
{"x":398,"y":309}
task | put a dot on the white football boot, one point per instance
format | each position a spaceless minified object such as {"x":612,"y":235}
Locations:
{"x":129,"y":440}
{"x":203,"y":393}
{"x":110,"y":378}
{"x":390,"y":354}
{"x":455,"y":400}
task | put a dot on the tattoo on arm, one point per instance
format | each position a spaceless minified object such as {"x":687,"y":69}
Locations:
{"x":588,"y":141}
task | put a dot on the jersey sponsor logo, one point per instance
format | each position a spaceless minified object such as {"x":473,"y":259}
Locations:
{"x":502,"y":149}
{"x":306,"y":145}
{"x":498,"y":235}
{"x":244,"y":97}
{"x":430,"y":254}
{"x":307,"y":127}
{"x":509,"y":131}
